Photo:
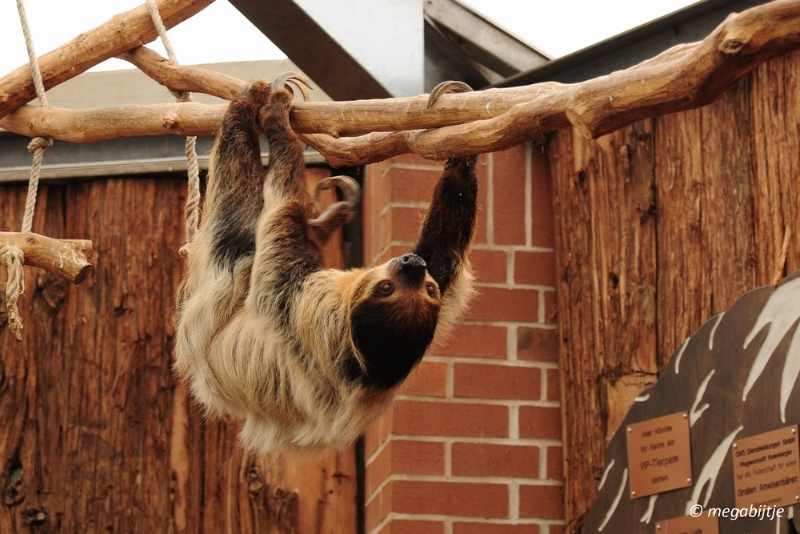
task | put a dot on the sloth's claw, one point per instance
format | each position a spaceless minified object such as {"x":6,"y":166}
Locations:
{"x":338,"y":213}
{"x":349,"y":188}
{"x":298,"y":80}
{"x":445,"y":88}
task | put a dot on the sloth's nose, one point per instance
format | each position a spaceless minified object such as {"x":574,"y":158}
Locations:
{"x":411,"y":268}
{"x":411,"y":261}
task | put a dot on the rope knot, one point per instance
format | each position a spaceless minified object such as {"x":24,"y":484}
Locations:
{"x":37,"y":143}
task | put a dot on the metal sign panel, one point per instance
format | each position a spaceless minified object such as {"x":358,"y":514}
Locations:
{"x":659,"y":455}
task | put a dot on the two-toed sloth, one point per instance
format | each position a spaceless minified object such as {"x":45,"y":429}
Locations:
{"x":307,"y":357}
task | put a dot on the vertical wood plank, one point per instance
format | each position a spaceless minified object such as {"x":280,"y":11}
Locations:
{"x":605,"y":249}
{"x":776,"y":176}
{"x":706,"y":256}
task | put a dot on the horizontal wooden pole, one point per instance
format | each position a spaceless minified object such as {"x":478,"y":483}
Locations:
{"x":338,"y":119}
{"x":90,"y":125}
{"x":69,"y":259}
{"x":120,"y":34}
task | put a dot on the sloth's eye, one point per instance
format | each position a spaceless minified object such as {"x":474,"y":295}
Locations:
{"x":386,"y":289}
{"x":431,"y":290}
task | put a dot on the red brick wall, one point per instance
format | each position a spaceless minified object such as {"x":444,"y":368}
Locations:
{"x":473,"y":443}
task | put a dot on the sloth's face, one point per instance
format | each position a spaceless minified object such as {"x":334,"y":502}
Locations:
{"x":394,"y":319}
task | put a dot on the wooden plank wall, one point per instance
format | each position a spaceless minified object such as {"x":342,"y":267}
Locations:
{"x":95,"y":433}
{"x":659,"y":226}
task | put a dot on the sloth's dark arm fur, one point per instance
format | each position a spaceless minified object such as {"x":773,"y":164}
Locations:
{"x":239,"y":199}
{"x":447,"y":230}
{"x":239,"y":178}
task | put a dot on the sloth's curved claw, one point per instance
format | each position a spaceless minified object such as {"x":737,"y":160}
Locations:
{"x":298,"y":80}
{"x":349,"y":188}
{"x":338,"y":213}
{"x":445,"y":88}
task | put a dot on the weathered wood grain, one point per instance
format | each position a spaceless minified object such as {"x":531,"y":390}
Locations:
{"x":706,"y":234}
{"x":95,"y":433}
{"x":605,"y":249}
{"x":725,"y":191}
{"x":68,"y":258}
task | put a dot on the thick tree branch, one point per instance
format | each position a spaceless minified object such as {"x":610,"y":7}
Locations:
{"x":123,"y":32}
{"x":90,"y":125}
{"x":687,"y":76}
{"x":69,"y":259}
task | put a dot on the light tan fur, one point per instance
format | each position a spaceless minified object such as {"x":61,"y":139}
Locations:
{"x":279,"y":369}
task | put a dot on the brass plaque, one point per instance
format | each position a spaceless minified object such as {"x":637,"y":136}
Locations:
{"x":659,"y":455}
{"x":687,"y":524}
{"x":766,"y":469}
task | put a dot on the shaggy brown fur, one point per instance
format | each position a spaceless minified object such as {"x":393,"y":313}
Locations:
{"x":307,"y":357}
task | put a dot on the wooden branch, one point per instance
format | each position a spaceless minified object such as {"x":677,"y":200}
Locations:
{"x":687,"y":76}
{"x":683,"y":77}
{"x":69,"y":259}
{"x":90,"y":125}
{"x":348,"y":118}
{"x":188,"y":79}
{"x":123,"y":32}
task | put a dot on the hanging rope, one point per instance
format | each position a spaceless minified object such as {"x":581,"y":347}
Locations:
{"x":38,"y":145}
{"x":12,"y":257}
{"x":192,"y":209}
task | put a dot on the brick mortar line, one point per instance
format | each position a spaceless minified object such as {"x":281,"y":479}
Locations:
{"x":378,"y":450}
{"x":510,"y":270}
{"x":483,"y":401}
{"x":382,"y":524}
{"x":536,"y":442}
{"x":513,"y":248}
{"x":543,"y":463}
{"x":473,"y":519}
{"x":500,"y":362}
{"x":503,"y":285}
{"x":473,"y":479}
{"x":534,"y":324}
{"x":513,"y":501}
{"x":377,"y":491}
{"x":513,"y":422}
{"x":510,"y":324}
{"x":414,"y":204}
{"x":512,"y":344}
{"x":416,"y":166}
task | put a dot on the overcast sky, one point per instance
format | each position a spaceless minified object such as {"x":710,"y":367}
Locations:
{"x":220,"y":33}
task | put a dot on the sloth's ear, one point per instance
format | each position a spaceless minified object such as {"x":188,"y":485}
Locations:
{"x":390,"y":339}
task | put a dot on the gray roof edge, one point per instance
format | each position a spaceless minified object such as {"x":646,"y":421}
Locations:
{"x":554,"y":70}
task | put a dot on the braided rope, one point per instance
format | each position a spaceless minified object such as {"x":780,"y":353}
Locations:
{"x":39,"y":144}
{"x":192,"y":210}
{"x":13,"y":258}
